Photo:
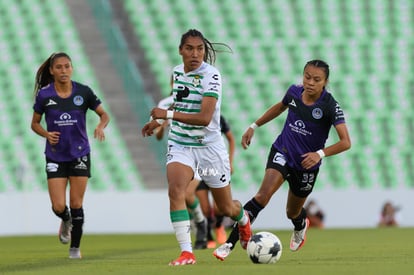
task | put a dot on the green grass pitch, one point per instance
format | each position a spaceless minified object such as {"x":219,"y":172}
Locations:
{"x":327,"y":251}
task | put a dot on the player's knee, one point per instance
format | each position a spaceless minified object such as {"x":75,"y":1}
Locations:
{"x":177,"y":194}
{"x":76,"y":202}
{"x":58,"y":208}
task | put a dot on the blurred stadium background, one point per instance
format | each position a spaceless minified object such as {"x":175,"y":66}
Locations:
{"x":125,"y":50}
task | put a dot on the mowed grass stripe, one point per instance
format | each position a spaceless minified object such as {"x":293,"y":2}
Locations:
{"x":327,"y":251}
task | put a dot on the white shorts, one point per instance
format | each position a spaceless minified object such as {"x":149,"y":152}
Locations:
{"x":211,"y":162}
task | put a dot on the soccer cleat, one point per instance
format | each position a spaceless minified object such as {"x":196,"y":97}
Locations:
{"x":299,"y":237}
{"x":74,"y":253}
{"x":245,"y":233}
{"x":200,"y":245}
{"x":184,"y":259}
{"x":201,"y":235}
{"x":65,"y":231}
{"x":211,"y":244}
{"x":221,"y":236}
{"x":223,"y":251}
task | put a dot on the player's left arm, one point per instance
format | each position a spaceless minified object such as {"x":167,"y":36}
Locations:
{"x":344,"y":143}
{"x":203,"y":118}
{"x":103,"y":122}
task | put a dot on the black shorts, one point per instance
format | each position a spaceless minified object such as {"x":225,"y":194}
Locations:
{"x":300,"y":182}
{"x":81,"y":167}
{"x":202,"y":186}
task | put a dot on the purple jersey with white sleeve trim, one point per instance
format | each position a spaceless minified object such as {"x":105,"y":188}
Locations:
{"x":307,"y":126}
{"x":67,"y":116}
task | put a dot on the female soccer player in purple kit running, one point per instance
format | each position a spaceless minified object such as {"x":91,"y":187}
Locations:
{"x":296,"y":154}
{"x":64,"y":104}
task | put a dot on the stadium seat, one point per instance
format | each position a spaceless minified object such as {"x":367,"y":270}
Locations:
{"x":368,"y":47}
{"x":25,"y":26}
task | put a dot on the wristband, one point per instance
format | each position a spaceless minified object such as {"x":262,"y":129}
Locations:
{"x":170,"y":114}
{"x":321,"y":153}
{"x":253,"y":126}
{"x":158,"y":120}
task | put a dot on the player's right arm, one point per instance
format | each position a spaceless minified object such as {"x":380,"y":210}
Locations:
{"x":269,"y":115}
{"x":52,"y":137}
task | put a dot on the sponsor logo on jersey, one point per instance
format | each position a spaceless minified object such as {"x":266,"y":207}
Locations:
{"x":65,"y":120}
{"x":299,"y":127}
{"x":292,"y":103}
{"x":182,"y":92}
{"x":51,"y":102}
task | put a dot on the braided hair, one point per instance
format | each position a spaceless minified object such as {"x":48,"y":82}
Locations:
{"x":211,"y":49}
{"x":319,"y":64}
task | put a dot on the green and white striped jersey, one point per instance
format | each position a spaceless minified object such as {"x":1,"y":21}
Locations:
{"x":188,"y":92}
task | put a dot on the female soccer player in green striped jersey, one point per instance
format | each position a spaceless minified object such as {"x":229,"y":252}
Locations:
{"x":194,"y":141}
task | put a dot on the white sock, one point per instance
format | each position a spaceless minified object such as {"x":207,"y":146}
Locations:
{"x":183,"y":235}
{"x":243,"y":221}
{"x":197,"y":213}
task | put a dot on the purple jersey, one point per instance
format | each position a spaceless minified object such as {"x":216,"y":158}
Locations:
{"x":307,"y":127}
{"x":67,"y":116}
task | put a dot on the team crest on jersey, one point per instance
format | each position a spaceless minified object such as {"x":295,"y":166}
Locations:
{"x":317,"y":113}
{"x":78,"y":100}
{"x":196,"y":80}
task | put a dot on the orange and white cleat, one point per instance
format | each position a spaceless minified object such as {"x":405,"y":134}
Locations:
{"x":245,"y":232}
{"x":299,"y":237}
{"x":223,"y":251}
{"x":185,"y":258}
{"x":221,"y":235}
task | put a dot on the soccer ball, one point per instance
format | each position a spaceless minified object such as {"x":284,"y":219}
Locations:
{"x":264,"y":248}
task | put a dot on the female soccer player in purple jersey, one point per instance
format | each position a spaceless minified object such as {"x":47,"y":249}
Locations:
{"x":296,"y":154}
{"x":195,"y":142}
{"x":64,"y":103}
